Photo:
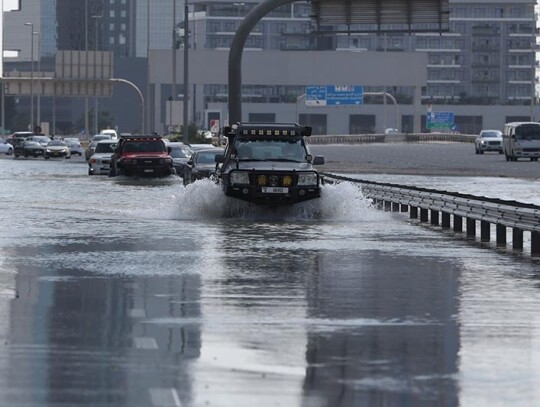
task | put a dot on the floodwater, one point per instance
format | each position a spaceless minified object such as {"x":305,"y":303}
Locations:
{"x":120,"y":292}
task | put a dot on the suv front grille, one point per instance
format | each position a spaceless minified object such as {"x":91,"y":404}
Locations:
{"x":147,"y":162}
{"x":272,"y":179}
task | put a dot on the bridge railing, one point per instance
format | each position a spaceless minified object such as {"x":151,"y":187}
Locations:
{"x":446,"y":209}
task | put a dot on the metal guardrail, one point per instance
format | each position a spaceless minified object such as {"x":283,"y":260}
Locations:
{"x":433,"y":204}
{"x":383,"y":138}
{"x":347,"y":139}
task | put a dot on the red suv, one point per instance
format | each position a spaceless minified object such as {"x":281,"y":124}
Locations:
{"x":141,"y":156}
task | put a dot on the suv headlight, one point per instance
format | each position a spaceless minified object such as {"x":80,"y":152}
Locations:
{"x":238,"y":177}
{"x":307,"y":178}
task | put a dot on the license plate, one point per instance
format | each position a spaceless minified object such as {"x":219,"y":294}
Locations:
{"x":275,"y":190}
{"x":149,"y":170}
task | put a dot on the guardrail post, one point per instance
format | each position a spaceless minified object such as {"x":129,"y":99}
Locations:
{"x":471,"y":227}
{"x":501,"y":235}
{"x":458,"y":223}
{"x":517,"y":239}
{"x":485,"y":231}
{"x":445,"y":220}
{"x":434,"y":217}
{"x":423,"y":215}
{"x":414,"y":212}
{"x":535,"y":243}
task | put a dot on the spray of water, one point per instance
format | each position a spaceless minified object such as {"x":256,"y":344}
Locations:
{"x":204,"y":199}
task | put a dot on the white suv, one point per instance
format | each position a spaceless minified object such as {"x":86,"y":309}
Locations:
{"x":100,"y":162}
{"x":488,"y":140}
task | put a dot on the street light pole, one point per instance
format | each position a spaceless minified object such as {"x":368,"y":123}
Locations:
{"x":38,"y":122}
{"x":96,"y":17}
{"x":533,"y":73}
{"x":31,"y":25}
{"x":186,"y":74}
{"x":86,"y":125}
{"x":173,"y":92}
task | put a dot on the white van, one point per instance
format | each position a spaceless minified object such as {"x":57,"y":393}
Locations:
{"x":521,"y":140}
{"x":110,"y":132}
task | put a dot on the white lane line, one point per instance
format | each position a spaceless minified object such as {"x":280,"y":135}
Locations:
{"x":145,"y":343}
{"x":165,"y":398}
{"x":137,"y":313}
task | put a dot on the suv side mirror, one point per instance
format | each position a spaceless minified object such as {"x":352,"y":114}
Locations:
{"x":219,"y":158}
{"x":318,"y":160}
{"x":306,"y":131}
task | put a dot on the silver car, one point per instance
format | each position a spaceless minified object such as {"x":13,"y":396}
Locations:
{"x":74,"y":145}
{"x":100,"y":161}
{"x":489,"y":140}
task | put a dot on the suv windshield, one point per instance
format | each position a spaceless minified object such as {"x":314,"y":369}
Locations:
{"x":105,"y":147}
{"x":271,"y":150}
{"x":490,"y":134}
{"x":145,"y":146}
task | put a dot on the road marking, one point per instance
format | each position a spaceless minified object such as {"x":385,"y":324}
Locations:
{"x":165,"y":398}
{"x":137,"y":313}
{"x":145,"y":343}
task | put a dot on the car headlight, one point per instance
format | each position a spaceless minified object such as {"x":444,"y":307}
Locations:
{"x":47,"y":150}
{"x":238,"y":177}
{"x":307,"y":178}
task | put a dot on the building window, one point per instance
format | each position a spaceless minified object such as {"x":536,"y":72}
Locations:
{"x":111,"y":13}
{"x":123,"y":13}
{"x":111,"y":40}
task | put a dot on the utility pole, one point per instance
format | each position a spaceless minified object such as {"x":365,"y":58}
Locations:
{"x":96,"y":23}
{"x":31,"y":25}
{"x":173,"y":92}
{"x":186,"y":74}
{"x":86,"y":123}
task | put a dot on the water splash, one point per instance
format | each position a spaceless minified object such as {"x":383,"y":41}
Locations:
{"x":204,"y":199}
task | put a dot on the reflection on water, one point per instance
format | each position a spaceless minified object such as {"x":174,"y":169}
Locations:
{"x":127,"y":293}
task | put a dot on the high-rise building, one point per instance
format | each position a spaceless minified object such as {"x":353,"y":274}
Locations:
{"x":488,"y":56}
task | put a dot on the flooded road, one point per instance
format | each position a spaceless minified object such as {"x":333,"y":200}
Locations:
{"x":119,"y":292}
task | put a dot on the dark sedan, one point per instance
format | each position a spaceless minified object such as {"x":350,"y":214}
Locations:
{"x":202,"y":164}
{"x":28,"y":148}
{"x":180,"y":154}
